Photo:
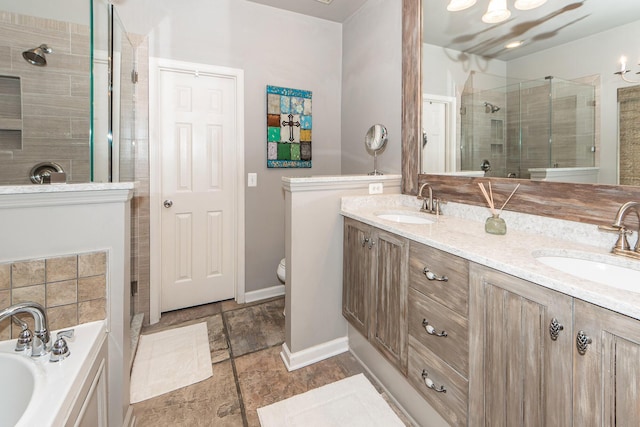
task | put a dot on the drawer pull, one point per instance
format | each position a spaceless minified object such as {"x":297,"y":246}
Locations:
{"x":430,"y":384}
{"x":431,"y":330}
{"x":432,"y":276}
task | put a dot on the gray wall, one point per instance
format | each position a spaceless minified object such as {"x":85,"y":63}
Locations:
{"x":372,"y":84}
{"x":273,"y":47}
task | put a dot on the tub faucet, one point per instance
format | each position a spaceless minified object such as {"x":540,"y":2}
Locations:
{"x":622,"y":246}
{"x":427,"y":202}
{"x":41,"y":339}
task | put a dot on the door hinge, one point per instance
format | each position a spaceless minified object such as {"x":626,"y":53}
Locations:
{"x":134,"y":76}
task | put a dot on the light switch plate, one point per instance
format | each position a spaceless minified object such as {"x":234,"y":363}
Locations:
{"x":252,"y":180}
{"x":375,"y":188}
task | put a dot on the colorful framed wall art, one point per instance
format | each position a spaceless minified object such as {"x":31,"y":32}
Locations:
{"x":289,"y":124}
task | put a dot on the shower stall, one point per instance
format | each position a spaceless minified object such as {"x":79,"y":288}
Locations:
{"x":513,"y":129}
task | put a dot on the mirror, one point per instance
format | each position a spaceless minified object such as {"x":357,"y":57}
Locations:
{"x":579,"y":44}
{"x":375,"y":141}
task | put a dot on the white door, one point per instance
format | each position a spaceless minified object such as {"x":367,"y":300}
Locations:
{"x":198,"y":157}
{"x":434,"y":125}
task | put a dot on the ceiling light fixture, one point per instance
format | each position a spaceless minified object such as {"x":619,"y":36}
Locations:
{"x":497,"y":11}
{"x":329,"y":1}
{"x":514,"y":44}
{"x":457,"y":5}
{"x":623,"y":70}
{"x":528,"y":4}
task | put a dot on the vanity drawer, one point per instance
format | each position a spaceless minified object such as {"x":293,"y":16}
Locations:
{"x":454,"y":293}
{"x":452,"y":348}
{"x":424,"y":366}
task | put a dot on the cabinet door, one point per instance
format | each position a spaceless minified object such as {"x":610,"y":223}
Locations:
{"x":518,"y":375}
{"x":357,"y":274}
{"x":389,"y":307}
{"x":607,"y":375}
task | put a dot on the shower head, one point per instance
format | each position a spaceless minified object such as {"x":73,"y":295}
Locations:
{"x":490,"y":108}
{"x":36,"y":56}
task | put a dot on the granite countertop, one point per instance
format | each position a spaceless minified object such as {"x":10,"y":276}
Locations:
{"x":460,"y":231}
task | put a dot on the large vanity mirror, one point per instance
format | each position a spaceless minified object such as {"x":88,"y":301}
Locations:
{"x":69,"y":108}
{"x":546,"y":110}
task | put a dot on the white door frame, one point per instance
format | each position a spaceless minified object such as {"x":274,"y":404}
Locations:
{"x":451,"y":130}
{"x":158,"y":65}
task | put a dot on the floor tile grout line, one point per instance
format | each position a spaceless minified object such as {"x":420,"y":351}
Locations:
{"x":243,"y":410}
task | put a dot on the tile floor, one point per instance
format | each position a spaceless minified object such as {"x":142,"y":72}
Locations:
{"x":248,"y":373}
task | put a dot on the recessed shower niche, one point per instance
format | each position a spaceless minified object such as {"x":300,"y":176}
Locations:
{"x":10,"y":113}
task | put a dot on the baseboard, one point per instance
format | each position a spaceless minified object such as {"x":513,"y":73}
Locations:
{"x":129,"y":418}
{"x":386,"y":391}
{"x":314,"y":354}
{"x":266,"y":293}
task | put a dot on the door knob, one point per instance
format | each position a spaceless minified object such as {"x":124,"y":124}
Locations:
{"x":168,"y":203}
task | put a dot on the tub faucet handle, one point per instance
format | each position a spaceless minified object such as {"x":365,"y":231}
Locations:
{"x":25,"y":339}
{"x":60,"y":349}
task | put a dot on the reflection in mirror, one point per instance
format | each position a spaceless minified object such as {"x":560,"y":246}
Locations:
{"x":52,"y":122}
{"x":375,"y":141}
{"x":524,"y":124}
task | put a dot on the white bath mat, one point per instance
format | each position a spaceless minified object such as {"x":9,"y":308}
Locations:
{"x":352,"y":402}
{"x":169,"y":360}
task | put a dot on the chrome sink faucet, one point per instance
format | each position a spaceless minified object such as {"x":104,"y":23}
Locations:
{"x":622,"y":246}
{"x":41,"y":339}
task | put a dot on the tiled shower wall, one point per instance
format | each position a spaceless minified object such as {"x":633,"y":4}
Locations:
{"x":72,"y":288}
{"x":55,"y":98}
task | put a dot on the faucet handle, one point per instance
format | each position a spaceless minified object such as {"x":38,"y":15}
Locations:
{"x":25,"y":339}
{"x":60,"y":349}
{"x":613,"y":228}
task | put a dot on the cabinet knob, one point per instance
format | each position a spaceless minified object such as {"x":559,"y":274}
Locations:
{"x":364,"y":241}
{"x":432,"y":276}
{"x":429,"y":383}
{"x":431,"y":330}
{"x":554,"y":328}
{"x":582,"y":342}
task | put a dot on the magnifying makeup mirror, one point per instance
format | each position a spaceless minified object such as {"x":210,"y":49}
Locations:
{"x":375,"y":140}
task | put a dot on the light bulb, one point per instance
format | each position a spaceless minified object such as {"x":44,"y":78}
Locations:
{"x":496,"y":12}
{"x":528,"y":4}
{"x":457,"y":5}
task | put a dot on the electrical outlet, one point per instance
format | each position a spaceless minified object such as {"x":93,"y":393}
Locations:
{"x":375,"y":188}
{"x":252,"y":180}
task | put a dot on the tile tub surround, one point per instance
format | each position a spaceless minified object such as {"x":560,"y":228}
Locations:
{"x":460,"y":231}
{"x":72,"y":288}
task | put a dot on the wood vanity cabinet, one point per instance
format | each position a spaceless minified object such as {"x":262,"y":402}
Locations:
{"x":374,"y":295}
{"x":607,"y":376}
{"x":439,"y":330}
{"x":519,"y":375}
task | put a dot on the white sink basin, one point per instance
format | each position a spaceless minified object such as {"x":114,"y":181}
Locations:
{"x":405,"y":217}
{"x":603,"y":270}
{"x":18,"y":378}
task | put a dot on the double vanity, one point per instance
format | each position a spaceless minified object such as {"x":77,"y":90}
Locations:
{"x":540,"y":326}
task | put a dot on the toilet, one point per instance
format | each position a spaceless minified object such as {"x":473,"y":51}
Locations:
{"x":282,"y":270}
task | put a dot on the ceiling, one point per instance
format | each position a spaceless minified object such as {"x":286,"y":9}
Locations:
{"x":337,"y":11}
{"x":554,"y":23}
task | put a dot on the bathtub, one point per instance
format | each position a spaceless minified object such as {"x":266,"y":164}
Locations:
{"x":585,"y":175}
{"x":59,"y":389}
